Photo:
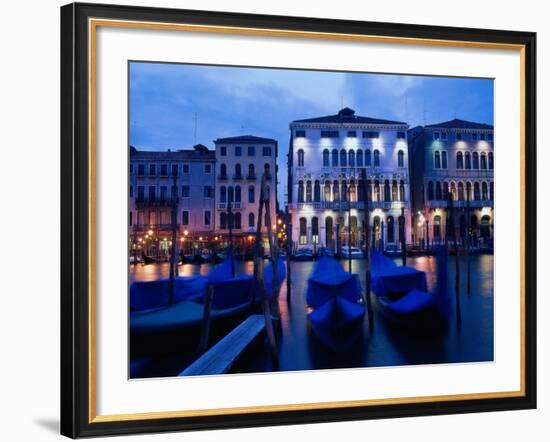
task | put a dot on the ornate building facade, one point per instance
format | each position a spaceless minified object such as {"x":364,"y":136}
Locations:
{"x":453,"y":158}
{"x":327,"y":156}
{"x":240,"y":163}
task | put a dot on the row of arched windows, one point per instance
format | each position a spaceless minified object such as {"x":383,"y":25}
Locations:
{"x":440,"y":190}
{"x":351,"y":158}
{"x":235,"y":219}
{"x":233,"y":194}
{"x":335,"y":191}
{"x":478,"y":160}
{"x":464,"y":160}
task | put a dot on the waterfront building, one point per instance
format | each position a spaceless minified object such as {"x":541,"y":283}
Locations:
{"x":453,"y":157}
{"x":159,"y":179}
{"x":326,"y":158}
{"x":240,"y":163}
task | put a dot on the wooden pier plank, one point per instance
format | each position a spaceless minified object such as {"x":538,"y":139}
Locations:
{"x":221,"y":357}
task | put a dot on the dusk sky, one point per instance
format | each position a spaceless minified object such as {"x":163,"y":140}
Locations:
{"x":231,"y":101}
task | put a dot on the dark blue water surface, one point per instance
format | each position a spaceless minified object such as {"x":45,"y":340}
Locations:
{"x":384,"y":343}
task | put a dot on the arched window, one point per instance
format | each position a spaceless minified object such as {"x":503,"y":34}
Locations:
{"x":251,"y":219}
{"x":401,"y":190}
{"x":461,"y":191}
{"x":476,"y":160}
{"x":437,"y":227}
{"x":303,"y":231}
{"x":401,"y":227}
{"x":237,"y":194}
{"x":267,"y":170}
{"x":300,"y":191}
{"x":359,"y":158}
{"x":437,"y":160}
{"x":453,"y":191}
{"x":360,"y":190}
{"x":483,"y":161}
{"x":394,"y":191}
{"x":430,"y":191}
{"x":223,"y":194}
{"x":230,"y":195}
{"x":485,"y":226}
{"x":376,"y":158}
{"x":367,"y":157}
{"x":390,"y":227}
{"x":315,"y":230}
{"x":251,"y":194}
{"x":376,"y":190}
{"x":329,"y":232}
{"x":223,"y":170}
{"x":238,"y":220}
{"x":343,"y":158}
{"x":317,"y":192}
{"x":352,"y":191}
{"x":223,"y":220}
{"x":445,"y":190}
{"x":334,"y":158}
{"x":491,"y":163}
{"x":344,"y":195}
{"x":238,"y":172}
{"x":301,"y":158}
{"x":326,"y":158}
{"x":327,"y":191}
{"x":444,"y":159}
{"x":469,"y":191}
{"x":400,"y":159}
{"x":308,"y":192}
{"x":438,"y":195}
{"x":459,"y":160}
{"x":336,"y":191}
{"x":387,"y":195}
{"x":484,"y":191}
{"x":251,"y":172}
{"x":351,"y":158}
{"x":477,"y":194}
{"x":369,"y":190}
{"x":491,"y":191}
{"x":468,"y":163}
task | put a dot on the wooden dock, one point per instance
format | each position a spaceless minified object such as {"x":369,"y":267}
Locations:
{"x":221,"y":357}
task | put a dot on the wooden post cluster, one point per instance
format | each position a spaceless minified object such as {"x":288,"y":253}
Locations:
{"x":259,"y":269}
{"x":451,"y":225}
{"x":366,"y":203}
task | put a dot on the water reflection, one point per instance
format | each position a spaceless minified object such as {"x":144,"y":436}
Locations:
{"x":300,"y":348}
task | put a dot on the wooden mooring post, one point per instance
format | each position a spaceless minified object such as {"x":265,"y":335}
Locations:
{"x":468,"y":239}
{"x":451,"y":221}
{"x":205,"y":328}
{"x":259,"y":276}
{"x":403,"y":239}
{"x":288,"y":257}
{"x":174,"y":225}
{"x":366,"y":203}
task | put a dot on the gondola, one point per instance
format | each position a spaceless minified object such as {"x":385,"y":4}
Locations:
{"x":402,"y":293}
{"x":303,"y":254}
{"x":334,"y":296}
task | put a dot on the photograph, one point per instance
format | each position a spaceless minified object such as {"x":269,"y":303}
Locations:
{"x":284,"y":219}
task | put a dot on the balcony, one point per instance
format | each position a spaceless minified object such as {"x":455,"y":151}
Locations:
{"x":475,"y":204}
{"x":156,"y":202}
{"x":251,"y":177}
{"x":224,"y":206}
{"x":222,"y":176}
{"x":344,"y":205}
{"x":237,"y":176}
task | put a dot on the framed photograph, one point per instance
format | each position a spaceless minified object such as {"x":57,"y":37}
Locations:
{"x":274,"y":220}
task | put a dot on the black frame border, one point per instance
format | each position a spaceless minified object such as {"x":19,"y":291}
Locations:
{"x":75,"y":220}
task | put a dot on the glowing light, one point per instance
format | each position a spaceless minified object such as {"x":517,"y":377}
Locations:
{"x":182,"y":239}
{"x":150,"y":232}
{"x":250,"y":237}
{"x":279,"y":221}
{"x":186,"y":232}
{"x":200,"y":238}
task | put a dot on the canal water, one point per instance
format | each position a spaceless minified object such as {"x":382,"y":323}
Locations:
{"x":382,"y":344}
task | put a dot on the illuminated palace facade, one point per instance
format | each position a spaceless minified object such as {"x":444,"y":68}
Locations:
{"x":325,"y":191}
{"x":454,"y":157}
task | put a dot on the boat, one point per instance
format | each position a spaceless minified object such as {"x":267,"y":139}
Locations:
{"x":402,"y":292}
{"x":333,"y":296}
{"x":355,"y":253}
{"x":157,"y":327}
{"x":303,"y":254}
{"x":325,"y":251}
